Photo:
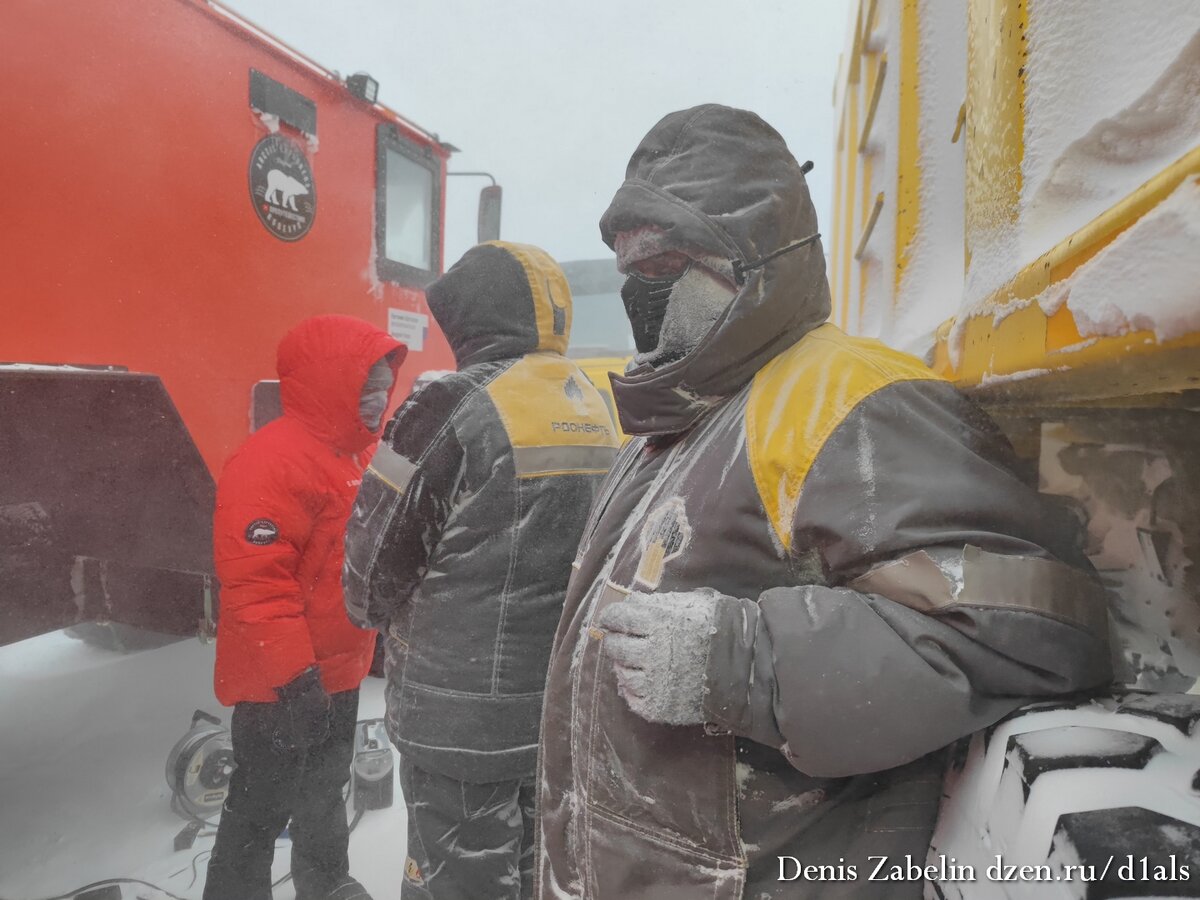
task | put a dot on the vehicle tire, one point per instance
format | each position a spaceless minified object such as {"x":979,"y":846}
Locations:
{"x":1095,"y":799}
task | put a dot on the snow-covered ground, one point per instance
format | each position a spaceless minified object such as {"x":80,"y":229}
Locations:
{"x":84,"y":738}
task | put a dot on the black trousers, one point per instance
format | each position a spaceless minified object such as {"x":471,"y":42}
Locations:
{"x":272,"y":786}
{"x":467,"y":840}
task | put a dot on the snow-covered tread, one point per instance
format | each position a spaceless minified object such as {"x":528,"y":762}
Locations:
{"x":1180,"y":710}
{"x":1035,"y":753}
{"x":1129,"y":852}
{"x":1086,"y":795}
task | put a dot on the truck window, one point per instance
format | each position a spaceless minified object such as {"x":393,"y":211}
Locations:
{"x":265,"y":404}
{"x":407,"y":205}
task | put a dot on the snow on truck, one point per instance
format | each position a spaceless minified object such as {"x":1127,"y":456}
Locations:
{"x":180,"y":189}
{"x":1017,"y":201}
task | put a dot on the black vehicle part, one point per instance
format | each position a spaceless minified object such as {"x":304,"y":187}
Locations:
{"x":105,"y":503}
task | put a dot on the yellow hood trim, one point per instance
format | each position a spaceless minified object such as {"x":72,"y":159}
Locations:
{"x":552,"y":305}
{"x":797,"y":401}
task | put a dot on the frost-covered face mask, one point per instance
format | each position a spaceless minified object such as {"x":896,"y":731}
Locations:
{"x":672,"y":303}
{"x":645,"y":302}
{"x":374,"y":399}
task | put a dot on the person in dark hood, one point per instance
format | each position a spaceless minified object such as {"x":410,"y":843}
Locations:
{"x":811,"y":569}
{"x":459,"y":549}
{"x":289,"y":660}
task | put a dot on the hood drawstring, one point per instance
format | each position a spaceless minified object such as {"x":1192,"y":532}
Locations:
{"x":741,"y":267}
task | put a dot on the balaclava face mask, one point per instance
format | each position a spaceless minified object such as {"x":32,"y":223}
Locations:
{"x":374,"y":399}
{"x":672,"y":298}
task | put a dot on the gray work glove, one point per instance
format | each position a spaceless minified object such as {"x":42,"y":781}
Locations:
{"x":659,"y":645}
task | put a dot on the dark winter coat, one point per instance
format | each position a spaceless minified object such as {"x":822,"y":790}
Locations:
{"x":461,"y":540}
{"x":897,"y":585}
{"x":282,"y":504}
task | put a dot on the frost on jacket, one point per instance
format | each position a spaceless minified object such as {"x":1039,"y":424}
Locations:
{"x":461,"y":539}
{"x":890,"y":581}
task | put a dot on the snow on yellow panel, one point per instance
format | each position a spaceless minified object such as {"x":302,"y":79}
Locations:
{"x":1057,"y":144}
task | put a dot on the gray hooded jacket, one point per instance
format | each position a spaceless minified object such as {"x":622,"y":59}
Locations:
{"x":896,"y":585}
{"x":460,"y":541}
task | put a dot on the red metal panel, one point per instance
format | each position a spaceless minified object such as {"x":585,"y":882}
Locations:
{"x":127,"y":231}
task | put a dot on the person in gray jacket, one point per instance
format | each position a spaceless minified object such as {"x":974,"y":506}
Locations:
{"x":459,"y":548}
{"x":812,"y":568}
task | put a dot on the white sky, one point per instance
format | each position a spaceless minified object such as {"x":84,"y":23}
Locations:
{"x":552,"y":96}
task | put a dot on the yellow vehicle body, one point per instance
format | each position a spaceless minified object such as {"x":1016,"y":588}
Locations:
{"x":597,"y":369}
{"x":942,"y":137}
{"x":1017,"y":201}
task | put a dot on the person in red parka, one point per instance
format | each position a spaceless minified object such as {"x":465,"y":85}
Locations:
{"x":288,"y":659}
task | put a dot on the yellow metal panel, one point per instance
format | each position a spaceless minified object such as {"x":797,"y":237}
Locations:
{"x":1129,"y":370}
{"x":867,"y":213}
{"x":877,"y":67}
{"x":836,"y":251}
{"x":863,"y":275}
{"x":908,"y":151}
{"x":864,"y":196}
{"x":858,"y":86}
{"x":872,"y":217}
{"x":869,"y":217}
{"x":1125,"y":365}
{"x":995,"y":116}
{"x":869,"y":18}
{"x":854,"y":75}
{"x":847,"y":205}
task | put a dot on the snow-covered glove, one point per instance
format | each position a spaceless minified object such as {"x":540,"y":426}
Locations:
{"x":659,"y":645}
{"x":303,"y":711}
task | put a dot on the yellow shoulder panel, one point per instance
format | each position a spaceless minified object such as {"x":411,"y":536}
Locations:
{"x":551,"y":294}
{"x":556,"y":421}
{"x":799,"y":398}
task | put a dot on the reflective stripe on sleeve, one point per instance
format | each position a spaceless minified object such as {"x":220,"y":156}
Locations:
{"x":392,"y":468}
{"x":994,"y":581}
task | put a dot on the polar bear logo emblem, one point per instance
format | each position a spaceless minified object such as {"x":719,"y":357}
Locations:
{"x":283,"y":189}
{"x":262,"y":532}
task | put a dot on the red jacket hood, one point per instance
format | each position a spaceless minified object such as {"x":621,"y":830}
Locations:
{"x":323,"y":364}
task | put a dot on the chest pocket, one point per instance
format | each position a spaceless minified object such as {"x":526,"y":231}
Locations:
{"x":671,"y":782}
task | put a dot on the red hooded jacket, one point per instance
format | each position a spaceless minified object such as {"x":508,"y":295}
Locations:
{"x":282,"y":505}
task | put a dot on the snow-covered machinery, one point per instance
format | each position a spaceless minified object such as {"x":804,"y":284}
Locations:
{"x":199,"y":767}
{"x":1017,"y":201}
{"x":373,"y":772}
